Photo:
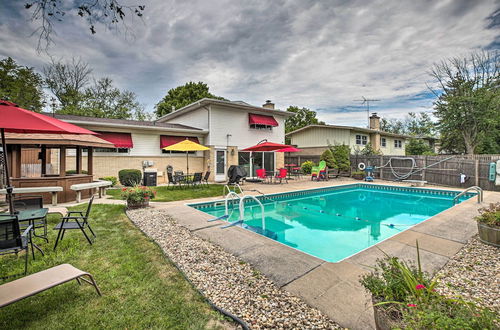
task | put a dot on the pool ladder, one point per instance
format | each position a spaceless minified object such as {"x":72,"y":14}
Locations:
{"x":476,"y":188}
{"x":242,"y":211}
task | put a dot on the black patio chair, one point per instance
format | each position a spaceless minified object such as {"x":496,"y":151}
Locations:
{"x":172,"y":180}
{"x":205,"y":178}
{"x":26,"y":203}
{"x":75,"y":220}
{"x":13,"y":241}
{"x":197,"y":177}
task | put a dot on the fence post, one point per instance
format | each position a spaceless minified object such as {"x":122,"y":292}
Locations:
{"x":381,"y":168}
{"x":424,"y":165}
{"x":476,"y":171}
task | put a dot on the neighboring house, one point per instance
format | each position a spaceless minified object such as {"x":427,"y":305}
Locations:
{"x":224,"y":126}
{"x":314,"y":139}
{"x":231,"y":127}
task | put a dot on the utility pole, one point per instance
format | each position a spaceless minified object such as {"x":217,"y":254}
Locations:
{"x":366,"y":101}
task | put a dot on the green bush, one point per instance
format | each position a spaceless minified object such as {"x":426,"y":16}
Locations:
{"x":307,"y":166}
{"x":490,"y":215}
{"x":327,"y":156}
{"x":130,"y":177}
{"x":341,"y":155}
{"x":112,"y":179}
{"x":418,"y":147}
{"x":70,"y":172}
{"x":360,"y":173}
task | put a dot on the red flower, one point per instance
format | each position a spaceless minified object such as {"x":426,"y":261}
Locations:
{"x":420,"y":287}
{"x":412,"y":305}
{"x":124,"y":189}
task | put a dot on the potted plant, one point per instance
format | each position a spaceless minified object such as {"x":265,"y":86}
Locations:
{"x":138,"y":196}
{"x":358,"y":175}
{"x":488,"y":224}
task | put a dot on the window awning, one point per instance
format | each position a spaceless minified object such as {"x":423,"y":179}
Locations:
{"x":168,"y":140}
{"x":120,"y":140}
{"x":262,"y":120}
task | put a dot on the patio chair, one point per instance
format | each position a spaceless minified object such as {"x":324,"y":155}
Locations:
{"x":75,"y":220}
{"x":282,"y":174}
{"x":319,"y":172}
{"x":197,"y":177}
{"x":205,"y":178}
{"x":13,"y":241}
{"x":26,"y":203}
{"x":261,"y":174}
{"x":172,"y":180}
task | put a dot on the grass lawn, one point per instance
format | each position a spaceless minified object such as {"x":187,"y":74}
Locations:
{"x":170,"y":194}
{"x":140,"y":287}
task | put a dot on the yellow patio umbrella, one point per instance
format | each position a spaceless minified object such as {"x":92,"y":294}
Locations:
{"x":186,"y":146}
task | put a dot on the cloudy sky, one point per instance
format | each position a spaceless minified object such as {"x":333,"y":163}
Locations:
{"x":319,"y":54}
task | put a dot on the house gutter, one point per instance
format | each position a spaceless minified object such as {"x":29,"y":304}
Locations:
{"x":152,"y":128}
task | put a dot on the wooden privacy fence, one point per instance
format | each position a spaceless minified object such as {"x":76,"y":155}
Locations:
{"x":445,"y":172}
{"x":442,"y":170}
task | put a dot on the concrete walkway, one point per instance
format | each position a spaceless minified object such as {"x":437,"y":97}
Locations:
{"x":333,"y":288}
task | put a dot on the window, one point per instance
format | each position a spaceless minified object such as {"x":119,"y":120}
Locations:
{"x":361,"y":139}
{"x":383,"y":142}
{"x":261,"y":127}
{"x":118,"y":150}
{"x":398,"y":144}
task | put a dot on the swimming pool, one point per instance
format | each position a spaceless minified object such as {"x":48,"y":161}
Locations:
{"x":336,"y":222}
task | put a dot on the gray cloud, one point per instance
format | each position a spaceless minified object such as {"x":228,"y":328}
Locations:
{"x":318,"y":54}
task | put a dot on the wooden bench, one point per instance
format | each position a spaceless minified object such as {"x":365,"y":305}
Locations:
{"x":35,"y":283}
{"x":101,"y":185}
{"x":29,"y":190}
{"x":416,"y":183}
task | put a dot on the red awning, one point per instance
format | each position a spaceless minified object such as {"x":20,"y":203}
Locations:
{"x":168,"y":140}
{"x":262,"y":120}
{"x":120,"y":140}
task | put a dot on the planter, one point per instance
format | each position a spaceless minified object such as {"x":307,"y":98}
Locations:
{"x":489,"y":234}
{"x":387,"y":317}
{"x":358,"y":176}
{"x":137,"y":205}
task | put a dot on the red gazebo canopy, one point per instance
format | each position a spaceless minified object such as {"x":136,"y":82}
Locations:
{"x":266,"y":146}
{"x":18,"y":120}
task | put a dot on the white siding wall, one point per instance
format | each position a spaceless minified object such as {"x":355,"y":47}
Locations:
{"x":197,"y":118}
{"x":225,"y":121}
{"x":319,"y":137}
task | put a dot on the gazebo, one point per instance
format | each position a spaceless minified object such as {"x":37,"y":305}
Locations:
{"x":43,"y":144}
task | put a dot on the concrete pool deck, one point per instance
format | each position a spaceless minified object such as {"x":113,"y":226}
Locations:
{"x":333,"y":288}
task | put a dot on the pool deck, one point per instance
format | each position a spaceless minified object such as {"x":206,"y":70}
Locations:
{"x":333,"y":288}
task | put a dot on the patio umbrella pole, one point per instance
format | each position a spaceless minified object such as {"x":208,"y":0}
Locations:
{"x":8,"y":188}
{"x":187,"y":162}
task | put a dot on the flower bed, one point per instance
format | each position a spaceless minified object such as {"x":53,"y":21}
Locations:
{"x":138,"y":196}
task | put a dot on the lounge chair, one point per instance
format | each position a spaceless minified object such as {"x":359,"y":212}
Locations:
{"x":319,"y":172}
{"x":35,"y":283}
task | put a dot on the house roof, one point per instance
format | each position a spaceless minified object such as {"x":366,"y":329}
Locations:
{"x":110,"y":122}
{"x":233,"y":104}
{"x":351,"y":128}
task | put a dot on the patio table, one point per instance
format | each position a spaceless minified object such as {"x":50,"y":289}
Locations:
{"x":31,"y":216}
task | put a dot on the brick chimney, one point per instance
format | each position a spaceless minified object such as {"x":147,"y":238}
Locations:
{"x":268,"y":105}
{"x":375,"y":121}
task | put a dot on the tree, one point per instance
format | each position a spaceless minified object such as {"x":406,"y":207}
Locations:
{"x":327,"y":156}
{"x":418,"y":147}
{"x":67,"y":81}
{"x":103,"y":100}
{"x":303,"y":117}
{"x":468,"y":102}
{"x":341,"y":155}
{"x":181,"y":96}
{"x":21,"y":85}
{"x":107,"y":12}
{"x":415,"y":124}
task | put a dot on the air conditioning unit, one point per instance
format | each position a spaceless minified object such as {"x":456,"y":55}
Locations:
{"x":147,"y":163}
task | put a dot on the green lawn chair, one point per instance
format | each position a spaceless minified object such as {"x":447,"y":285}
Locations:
{"x":318,"y":171}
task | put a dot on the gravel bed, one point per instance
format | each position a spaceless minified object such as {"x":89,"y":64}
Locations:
{"x":227,"y":281}
{"x":474,"y":274}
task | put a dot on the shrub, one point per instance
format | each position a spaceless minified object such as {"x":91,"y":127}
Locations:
{"x":307,"y":166}
{"x":490,"y":215}
{"x":358,"y":173}
{"x":138,"y":194}
{"x":341,"y":155}
{"x":70,"y":172}
{"x":368,"y":150}
{"x":112,"y":179}
{"x":418,"y":147}
{"x":130,"y":177}
{"x":327,"y":156}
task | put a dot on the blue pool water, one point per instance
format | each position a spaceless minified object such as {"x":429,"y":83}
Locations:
{"x":336,"y":222}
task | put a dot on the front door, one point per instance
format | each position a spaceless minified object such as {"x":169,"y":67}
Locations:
{"x":220,"y":165}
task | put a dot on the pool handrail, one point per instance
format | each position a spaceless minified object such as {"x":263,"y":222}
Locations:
{"x":476,"y":188}
{"x":242,"y":209}
{"x":229,"y":190}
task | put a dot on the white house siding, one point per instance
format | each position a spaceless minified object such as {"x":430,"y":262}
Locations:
{"x":197,"y":118}
{"x":320,"y":137}
{"x":225,"y":121}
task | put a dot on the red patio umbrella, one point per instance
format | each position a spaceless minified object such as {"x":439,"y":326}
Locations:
{"x":289,"y":149}
{"x":18,"y":120}
{"x":266,"y":146}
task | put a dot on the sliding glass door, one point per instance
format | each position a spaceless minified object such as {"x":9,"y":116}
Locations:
{"x":252,"y":161}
